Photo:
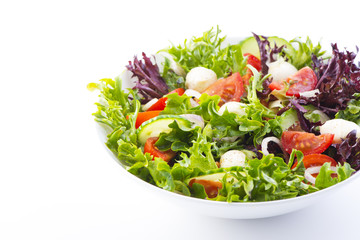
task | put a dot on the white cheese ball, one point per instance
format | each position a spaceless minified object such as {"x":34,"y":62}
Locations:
{"x":281,"y":70}
{"x":233,"y":107}
{"x":200,"y":78}
{"x":232,"y":158}
{"x":340,"y":128}
{"x":192,"y":93}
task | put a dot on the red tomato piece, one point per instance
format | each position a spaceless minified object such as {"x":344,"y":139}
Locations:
{"x":307,"y":143}
{"x":302,"y":81}
{"x":315,"y":160}
{"x":211,"y":187}
{"x":144,"y":116}
{"x":179,"y":91}
{"x":155,"y":152}
{"x":161,"y":103}
{"x":229,"y":89}
{"x":253,"y":61}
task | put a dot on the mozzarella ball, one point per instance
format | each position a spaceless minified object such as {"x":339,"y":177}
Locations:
{"x":192,"y":93}
{"x":200,"y":78}
{"x":233,"y":107}
{"x":232,"y":158}
{"x":340,"y":128}
{"x":147,"y":105}
{"x":281,"y":70}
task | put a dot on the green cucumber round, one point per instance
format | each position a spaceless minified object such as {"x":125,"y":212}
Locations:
{"x":249,"y":45}
{"x":157,"y":125}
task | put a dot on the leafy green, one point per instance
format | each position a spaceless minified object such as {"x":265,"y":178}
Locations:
{"x":325,"y":179}
{"x":269,"y":178}
{"x":352,"y":111}
{"x":176,"y":104}
{"x":172,"y":80}
{"x":207,"y":51}
{"x":116,"y":110}
{"x":200,"y":155}
{"x":302,"y":56}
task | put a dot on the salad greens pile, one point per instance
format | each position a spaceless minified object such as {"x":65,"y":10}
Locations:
{"x":192,"y":135}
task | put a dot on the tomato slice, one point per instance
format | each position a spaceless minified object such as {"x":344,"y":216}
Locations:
{"x":161,"y":103}
{"x":253,"y":61}
{"x":211,"y":187}
{"x":229,"y":89}
{"x":155,"y":152}
{"x":302,"y":81}
{"x":307,"y":143}
{"x":144,"y":116}
{"x":314,"y":160}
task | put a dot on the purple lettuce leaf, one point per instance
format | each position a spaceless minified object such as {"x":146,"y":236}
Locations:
{"x":150,"y":84}
{"x":338,"y":80}
{"x":349,"y":151}
{"x":267,"y":54}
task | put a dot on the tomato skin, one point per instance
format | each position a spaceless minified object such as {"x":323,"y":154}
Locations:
{"x":161,"y":103}
{"x":229,"y":89}
{"x":307,"y":143}
{"x":179,"y":91}
{"x":211,"y":187}
{"x":303,"y":80}
{"x":155,"y":152}
{"x":144,"y":116}
{"x":313,"y":160}
{"x":275,"y":85}
{"x":253,"y":61}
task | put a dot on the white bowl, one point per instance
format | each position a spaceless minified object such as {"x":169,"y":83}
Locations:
{"x":236,"y":210}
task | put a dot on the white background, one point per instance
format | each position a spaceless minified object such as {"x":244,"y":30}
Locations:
{"x":56,"y":179}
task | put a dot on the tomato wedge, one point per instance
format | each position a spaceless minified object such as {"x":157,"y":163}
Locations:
{"x":308,"y":143}
{"x":315,"y":160}
{"x":144,"y":116}
{"x":161,"y":103}
{"x":229,"y":89}
{"x":155,"y":152}
{"x":253,"y":61}
{"x":302,"y":81}
{"x":211,"y":187}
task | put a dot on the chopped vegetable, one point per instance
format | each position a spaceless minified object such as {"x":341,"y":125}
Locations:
{"x":217,"y":135}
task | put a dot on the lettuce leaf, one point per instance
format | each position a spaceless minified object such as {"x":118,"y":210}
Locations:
{"x":117,"y":110}
{"x":325,"y":179}
{"x":200,"y":155}
{"x":304,"y":53}
{"x":352,"y":111}
{"x":207,"y":51}
{"x":265,"y":179}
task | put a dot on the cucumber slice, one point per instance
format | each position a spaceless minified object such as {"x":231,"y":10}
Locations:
{"x":217,"y":175}
{"x":249,"y":45}
{"x":159,"y":124}
{"x":288,"y":118}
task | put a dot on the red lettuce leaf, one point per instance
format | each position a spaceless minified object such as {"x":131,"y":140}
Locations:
{"x":338,"y":80}
{"x":150,"y":84}
{"x":349,"y":151}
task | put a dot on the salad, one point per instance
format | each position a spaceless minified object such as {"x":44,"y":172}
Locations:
{"x":264,"y":119}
